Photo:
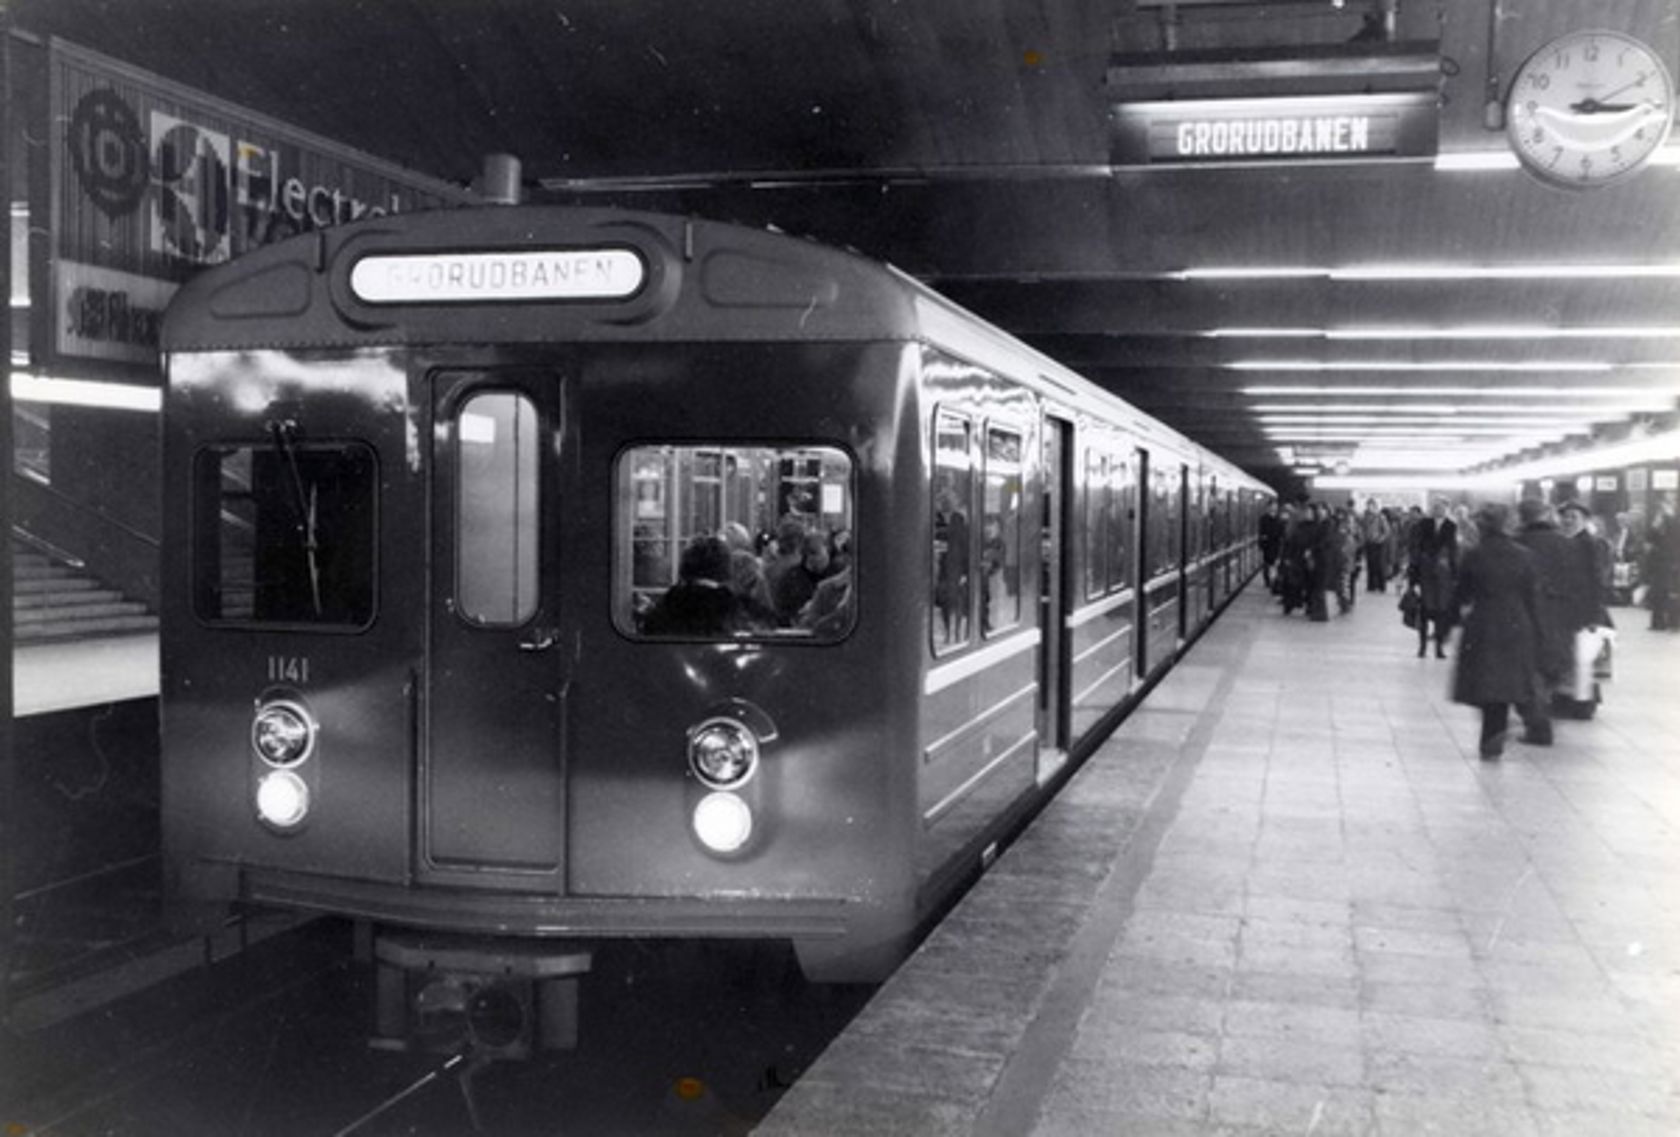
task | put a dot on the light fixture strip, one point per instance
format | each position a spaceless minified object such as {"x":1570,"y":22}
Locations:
{"x":1574,"y":365}
{"x":1468,"y":332}
{"x":1295,"y":390}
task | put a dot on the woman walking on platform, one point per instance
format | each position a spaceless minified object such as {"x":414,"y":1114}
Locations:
{"x":1498,"y":655}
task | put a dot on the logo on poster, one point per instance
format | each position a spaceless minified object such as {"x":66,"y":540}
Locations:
{"x":206,"y":189}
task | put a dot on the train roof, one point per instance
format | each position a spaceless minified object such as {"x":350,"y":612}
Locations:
{"x":552,"y":274}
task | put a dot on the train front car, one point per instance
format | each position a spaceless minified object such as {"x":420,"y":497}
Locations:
{"x":544,"y":573}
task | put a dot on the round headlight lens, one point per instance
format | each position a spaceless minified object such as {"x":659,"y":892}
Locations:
{"x":282,"y":799}
{"x":283,"y":734}
{"x":723,"y":822}
{"x":722,"y":753}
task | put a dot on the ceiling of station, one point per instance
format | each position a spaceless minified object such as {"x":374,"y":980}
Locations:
{"x":1279,"y":313}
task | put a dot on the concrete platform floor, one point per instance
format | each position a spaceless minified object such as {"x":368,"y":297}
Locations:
{"x":1287,"y":897}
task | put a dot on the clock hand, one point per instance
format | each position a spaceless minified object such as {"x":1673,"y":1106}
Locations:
{"x":1593,"y":105}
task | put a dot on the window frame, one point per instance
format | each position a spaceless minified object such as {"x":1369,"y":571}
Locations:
{"x":678,"y":512}
{"x":198,"y":536}
{"x":1002,"y":427}
{"x":966,"y":616}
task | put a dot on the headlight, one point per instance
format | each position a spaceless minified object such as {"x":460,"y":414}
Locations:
{"x":283,"y":734}
{"x":723,"y":822}
{"x":722,"y":753}
{"x":282,"y":799}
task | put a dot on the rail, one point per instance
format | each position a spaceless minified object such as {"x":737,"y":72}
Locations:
{"x":41,"y":486}
{"x":47,"y":548}
{"x":100,"y":543}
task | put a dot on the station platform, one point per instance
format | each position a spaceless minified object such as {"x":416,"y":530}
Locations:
{"x":1288,"y":897}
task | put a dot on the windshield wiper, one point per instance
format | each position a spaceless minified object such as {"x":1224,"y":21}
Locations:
{"x":284,"y":431}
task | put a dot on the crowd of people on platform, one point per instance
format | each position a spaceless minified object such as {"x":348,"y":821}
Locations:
{"x":1530,"y":590}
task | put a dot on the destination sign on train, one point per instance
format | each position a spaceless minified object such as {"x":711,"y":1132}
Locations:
{"x":1301,"y":129}
{"x":457,"y":278}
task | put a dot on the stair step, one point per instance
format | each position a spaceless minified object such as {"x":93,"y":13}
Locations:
{"x":53,"y":584}
{"x":44,"y":615}
{"x":66,"y":597}
{"x":54,"y":603}
{"x":41,"y":572}
{"x":85,"y":629}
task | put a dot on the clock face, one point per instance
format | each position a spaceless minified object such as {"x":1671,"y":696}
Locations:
{"x":1589,"y":108}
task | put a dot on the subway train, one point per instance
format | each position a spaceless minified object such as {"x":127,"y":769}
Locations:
{"x":554,"y":575}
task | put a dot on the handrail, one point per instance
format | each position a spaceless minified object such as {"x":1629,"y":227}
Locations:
{"x":91,"y":510}
{"x":47,"y":548}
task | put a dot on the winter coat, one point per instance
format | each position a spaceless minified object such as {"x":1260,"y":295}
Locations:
{"x":1568,"y":594}
{"x":1434,"y":563}
{"x":1498,"y":653}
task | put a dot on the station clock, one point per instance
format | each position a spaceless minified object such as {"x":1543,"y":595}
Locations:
{"x":1589,"y":108}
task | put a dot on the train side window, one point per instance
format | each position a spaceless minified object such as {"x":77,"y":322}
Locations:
{"x":1098,"y":511}
{"x":953,"y":503}
{"x":1119,"y":481}
{"x":1000,"y":536}
{"x":724,"y":542}
{"x":497,"y":509}
{"x":285,"y":532}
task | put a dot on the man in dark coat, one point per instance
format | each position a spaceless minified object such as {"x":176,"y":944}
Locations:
{"x":1662,"y":569}
{"x":1271,"y":541}
{"x":1568,"y":590}
{"x":1432,"y":555}
{"x":1499,"y":650}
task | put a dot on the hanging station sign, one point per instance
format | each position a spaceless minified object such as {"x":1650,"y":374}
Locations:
{"x":1239,"y":131}
{"x":150,"y":181}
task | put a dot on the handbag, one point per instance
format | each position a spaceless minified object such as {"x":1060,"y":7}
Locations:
{"x":1411,"y":606}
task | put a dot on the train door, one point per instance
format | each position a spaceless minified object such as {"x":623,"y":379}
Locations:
{"x":1053,"y":663}
{"x":491,"y":791}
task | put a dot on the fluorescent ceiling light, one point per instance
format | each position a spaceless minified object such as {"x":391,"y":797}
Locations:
{"x":1506,"y":332}
{"x":1477,"y":160}
{"x":1394,"y":482}
{"x":1451,"y":410}
{"x":1405,"y":272}
{"x":1429,"y":365}
{"x":1249,"y":272}
{"x":83,"y":393}
{"x":1263,"y":333}
{"x":1445,"y":422}
{"x":1655,"y":448}
{"x":1396,"y":272}
{"x":1500,"y":392}
{"x":1468,"y":332}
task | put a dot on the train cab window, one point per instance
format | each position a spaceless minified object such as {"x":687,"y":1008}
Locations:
{"x":1000,"y":533}
{"x":285,"y":533}
{"x":953,"y":552}
{"x":733,"y":542}
{"x":497,"y":516}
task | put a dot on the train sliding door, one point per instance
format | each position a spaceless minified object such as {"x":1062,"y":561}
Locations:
{"x":491,"y":796}
{"x":1163,"y":558}
{"x":1053,"y":710}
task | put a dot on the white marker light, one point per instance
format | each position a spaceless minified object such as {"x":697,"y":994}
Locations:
{"x":723,"y":822}
{"x":282,"y":799}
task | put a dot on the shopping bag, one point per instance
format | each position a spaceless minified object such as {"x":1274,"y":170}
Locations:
{"x":1589,"y":643}
{"x":1604,"y":662}
{"x":1411,"y":606}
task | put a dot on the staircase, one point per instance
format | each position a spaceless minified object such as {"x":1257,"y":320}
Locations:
{"x":52,"y":603}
